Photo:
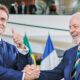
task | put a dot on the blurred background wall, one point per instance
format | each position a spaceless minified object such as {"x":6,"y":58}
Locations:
{"x":63,"y":6}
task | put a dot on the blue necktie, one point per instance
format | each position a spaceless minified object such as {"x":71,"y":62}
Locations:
{"x":23,"y":9}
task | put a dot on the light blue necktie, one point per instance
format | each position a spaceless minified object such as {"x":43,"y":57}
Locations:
{"x":23,"y":9}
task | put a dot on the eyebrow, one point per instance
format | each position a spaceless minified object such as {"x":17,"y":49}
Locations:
{"x":75,"y":25}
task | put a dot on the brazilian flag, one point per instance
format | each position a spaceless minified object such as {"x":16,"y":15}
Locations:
{"x":26,"y":42}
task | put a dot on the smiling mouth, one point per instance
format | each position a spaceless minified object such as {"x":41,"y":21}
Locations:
{"x":75,"y":35}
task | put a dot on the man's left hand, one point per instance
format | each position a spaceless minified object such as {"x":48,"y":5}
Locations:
{"x":18,"y":39}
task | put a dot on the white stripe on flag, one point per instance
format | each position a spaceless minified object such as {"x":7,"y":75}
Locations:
{"x":50,"y":62}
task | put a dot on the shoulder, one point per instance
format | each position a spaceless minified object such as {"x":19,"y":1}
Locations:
{"x":71,"y":50}
{"x":9,"y":45}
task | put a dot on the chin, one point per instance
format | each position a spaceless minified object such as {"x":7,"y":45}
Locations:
{"x":77,"y":41}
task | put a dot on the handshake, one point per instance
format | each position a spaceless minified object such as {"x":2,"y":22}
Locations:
{"x":31,"y":72}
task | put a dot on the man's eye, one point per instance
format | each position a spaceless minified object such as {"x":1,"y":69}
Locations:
{"x":76,"y":27}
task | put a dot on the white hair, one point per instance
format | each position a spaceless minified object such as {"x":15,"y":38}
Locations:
{"x":77,"y":13}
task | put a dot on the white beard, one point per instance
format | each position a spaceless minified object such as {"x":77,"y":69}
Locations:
{"x":77,"y":41}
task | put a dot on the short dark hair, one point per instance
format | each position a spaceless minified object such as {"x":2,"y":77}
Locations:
{"x":4,"y":8}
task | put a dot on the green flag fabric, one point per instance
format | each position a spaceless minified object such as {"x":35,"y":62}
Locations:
{"x":26,"y":42}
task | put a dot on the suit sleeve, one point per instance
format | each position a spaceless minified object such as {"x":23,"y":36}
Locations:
{"x":56,"y":74}
{"x":15,"y":73}
{"x":22,"y":60}
{"x":10,"y":74}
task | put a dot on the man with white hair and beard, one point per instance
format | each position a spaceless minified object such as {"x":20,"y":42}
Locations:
{"x":69,"y":67}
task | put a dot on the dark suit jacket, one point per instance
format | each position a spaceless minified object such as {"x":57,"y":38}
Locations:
{"x":20,"y":10}
{"x":12,"y":10}
{"x":64,"y":69}
{"x":12,"y":62}
{"x":32,"y":9}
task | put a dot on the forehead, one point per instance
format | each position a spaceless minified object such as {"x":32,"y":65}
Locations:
{"x":3,"y":14}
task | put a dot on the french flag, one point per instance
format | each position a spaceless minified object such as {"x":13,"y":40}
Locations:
{"x":50,"y":59}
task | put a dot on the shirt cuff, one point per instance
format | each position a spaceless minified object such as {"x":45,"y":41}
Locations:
{"x":24,"y":51}
{"x":23,"y":76}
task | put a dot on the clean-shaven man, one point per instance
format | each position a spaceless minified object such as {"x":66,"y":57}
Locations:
{"x":13,"y":60}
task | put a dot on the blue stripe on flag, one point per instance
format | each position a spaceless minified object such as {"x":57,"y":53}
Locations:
{"x":49,"y":48}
